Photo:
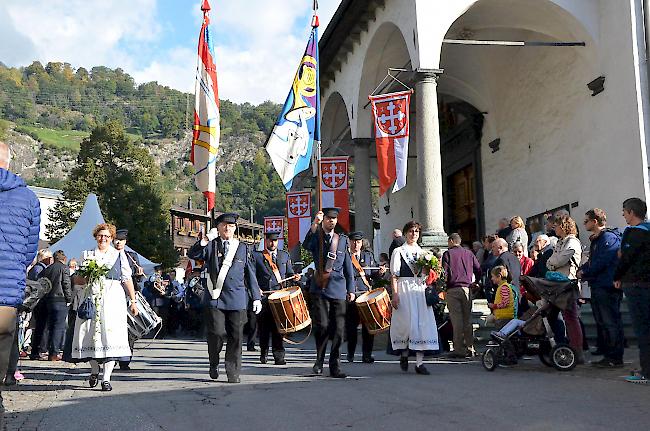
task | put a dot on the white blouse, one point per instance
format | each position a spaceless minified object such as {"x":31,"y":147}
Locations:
{"x":412,"y":252}
{"x":110,"y":256}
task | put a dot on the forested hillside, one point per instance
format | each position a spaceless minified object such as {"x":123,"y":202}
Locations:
{"x":47,"y":111}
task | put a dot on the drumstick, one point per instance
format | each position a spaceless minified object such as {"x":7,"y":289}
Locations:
{"x":280,"y":282}
{"x":370,"y":268}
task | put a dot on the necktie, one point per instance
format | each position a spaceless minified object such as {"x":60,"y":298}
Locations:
{"x":225,"y":248}
{"x":274,"y":256}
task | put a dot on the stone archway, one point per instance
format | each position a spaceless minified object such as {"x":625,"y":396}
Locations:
{"x":534,"y":100}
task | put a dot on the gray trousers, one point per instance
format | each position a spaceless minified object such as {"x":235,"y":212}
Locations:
{"x":460,"y":313}
{"x":7,"y":332}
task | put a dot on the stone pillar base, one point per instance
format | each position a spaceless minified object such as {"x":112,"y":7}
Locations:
{"x":434,"y":239}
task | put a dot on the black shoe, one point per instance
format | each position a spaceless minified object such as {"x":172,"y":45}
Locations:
{"x":607,"y":363}
{"x":421,"y":369}
{"x":350,"y":357}
{"x":214,"y":373}
{"x":234,"y":379}
{"x":92,"y":380}
{"x":262,"y":359}
{"x":367,"y":359}
{"x":251,"y":349}
{"x":280,"y":361}
{"x":597,"y":352}
{"x":106,"y":387}
{"x":317,"y":368}
{"x":10,"y":380}
{"x":338,"y":374}
{"x":125,"y":367}
{"x":404,"y":363}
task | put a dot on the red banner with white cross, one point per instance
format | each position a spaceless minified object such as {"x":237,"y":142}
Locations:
{"x":391,"y":123}
{"x":275,"y":224}
{"x":334,"y":187}
{"x":298,"y":217}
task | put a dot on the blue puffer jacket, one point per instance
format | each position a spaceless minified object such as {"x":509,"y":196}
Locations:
{"x":20,"y":219}
{"x":599,"y":270}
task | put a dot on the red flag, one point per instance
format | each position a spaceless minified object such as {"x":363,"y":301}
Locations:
{"x":334,"y":187}
{"x":391,"y":123}
{"x":275,"y":224}
{"x":298,"y":217}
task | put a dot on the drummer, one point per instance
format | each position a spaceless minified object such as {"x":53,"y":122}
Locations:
{"x":361,"y":259}
{"x":271,"y":266}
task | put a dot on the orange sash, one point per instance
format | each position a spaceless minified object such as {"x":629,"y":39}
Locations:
{"x":273,"y":266}
{"x":362,"y":273}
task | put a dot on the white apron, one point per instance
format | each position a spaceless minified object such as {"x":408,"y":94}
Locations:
{"x":413,"y":324}
{"x":106,"y":335}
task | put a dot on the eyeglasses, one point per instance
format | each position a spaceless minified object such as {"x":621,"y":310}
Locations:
{"x":102,"y":236}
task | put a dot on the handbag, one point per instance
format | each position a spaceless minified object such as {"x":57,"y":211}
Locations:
{"x":431,"y":296}
{"x":86,"y":309}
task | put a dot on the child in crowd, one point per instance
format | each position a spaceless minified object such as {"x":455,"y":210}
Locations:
{"x":506,"y":298}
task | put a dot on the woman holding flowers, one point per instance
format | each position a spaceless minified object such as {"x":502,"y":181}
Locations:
{"x":413,"y":325}
{"x":101,"y":335}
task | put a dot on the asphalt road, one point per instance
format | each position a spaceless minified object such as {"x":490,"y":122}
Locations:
{"x":169,"y":389}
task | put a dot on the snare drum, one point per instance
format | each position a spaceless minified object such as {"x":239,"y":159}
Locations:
{"x":374,"y":310}
{"x":289,"y":310}
{"x":146,"y":320}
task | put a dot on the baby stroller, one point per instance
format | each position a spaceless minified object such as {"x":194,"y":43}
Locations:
{"x":536,"y":336}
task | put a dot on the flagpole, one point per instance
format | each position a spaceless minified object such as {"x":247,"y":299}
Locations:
{"x":319,"y":188}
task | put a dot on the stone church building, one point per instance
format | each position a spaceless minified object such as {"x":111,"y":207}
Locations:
{"x":498,"y":128}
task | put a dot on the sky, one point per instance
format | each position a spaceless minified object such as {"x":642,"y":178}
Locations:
{"x":258,"y":43}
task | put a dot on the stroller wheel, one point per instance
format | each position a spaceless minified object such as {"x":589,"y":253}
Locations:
{"x":489,"y":359}
{"x":563,"y":357}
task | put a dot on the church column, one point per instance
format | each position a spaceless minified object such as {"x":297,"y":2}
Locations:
{"x":362,"y":190}
{"x":429,"y":164}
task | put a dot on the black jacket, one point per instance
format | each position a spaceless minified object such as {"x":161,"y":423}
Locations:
{"x":511,"y":262}
{"x":59,"y":275}
{"x":539,"y":269}
{"x":634,"y":264}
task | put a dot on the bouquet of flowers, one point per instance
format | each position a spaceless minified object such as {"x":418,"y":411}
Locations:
{"x":92,"y":271}
{"x":428,"y":265}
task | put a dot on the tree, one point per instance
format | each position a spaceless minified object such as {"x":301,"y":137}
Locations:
{"x":125,"y":178}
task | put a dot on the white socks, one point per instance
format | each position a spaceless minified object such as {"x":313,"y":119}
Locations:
{"x":108,"y":370}
{"x":419,"y":358}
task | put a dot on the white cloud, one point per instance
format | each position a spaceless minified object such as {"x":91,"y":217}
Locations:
{"x":258,"y":44}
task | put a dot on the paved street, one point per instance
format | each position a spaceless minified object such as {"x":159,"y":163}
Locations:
{"x":168,"y":389}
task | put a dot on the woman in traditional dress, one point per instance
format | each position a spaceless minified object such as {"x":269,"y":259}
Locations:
{"x":104,"y":338}
{"x":413,"y":325}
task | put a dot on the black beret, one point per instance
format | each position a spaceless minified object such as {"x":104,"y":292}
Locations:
{"x":121,"y":234}
{"x":355,"y":236}
{"x":230,"y":218}
{"x":331,"y":212}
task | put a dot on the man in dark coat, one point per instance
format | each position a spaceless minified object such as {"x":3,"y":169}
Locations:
{"x":231,"y":275}
{"x":121,"y":237}
{"x":332,"y":284}
{"x":271,"y":266}
{"x":361,"y":259}
{"x":56,"y":301}
{"x":632,"y":274}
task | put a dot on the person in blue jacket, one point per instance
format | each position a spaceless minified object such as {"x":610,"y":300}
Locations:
{"x":332,"y":284}
{"x":270,"y":264}
{"x":20,"y":219}
{"x":231,"y":273}
{"x":598,"y":271}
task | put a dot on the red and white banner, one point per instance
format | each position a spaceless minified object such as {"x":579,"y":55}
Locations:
{"x":334,"y":187}
{"x":275,"y":224}
{"x":391,"y":117}
{"x":298,"y":217}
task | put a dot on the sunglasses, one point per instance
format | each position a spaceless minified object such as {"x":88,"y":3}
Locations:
{"x":103,"y":236}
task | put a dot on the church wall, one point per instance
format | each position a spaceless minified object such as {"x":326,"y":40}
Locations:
{"x":559,"y":144}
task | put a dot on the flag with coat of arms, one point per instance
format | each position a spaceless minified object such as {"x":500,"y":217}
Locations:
{"x":334,"y":187}
{"x":391,"y":123}
{"x":298,"y":217}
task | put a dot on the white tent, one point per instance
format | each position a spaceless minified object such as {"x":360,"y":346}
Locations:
{"x":80,"y":237}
